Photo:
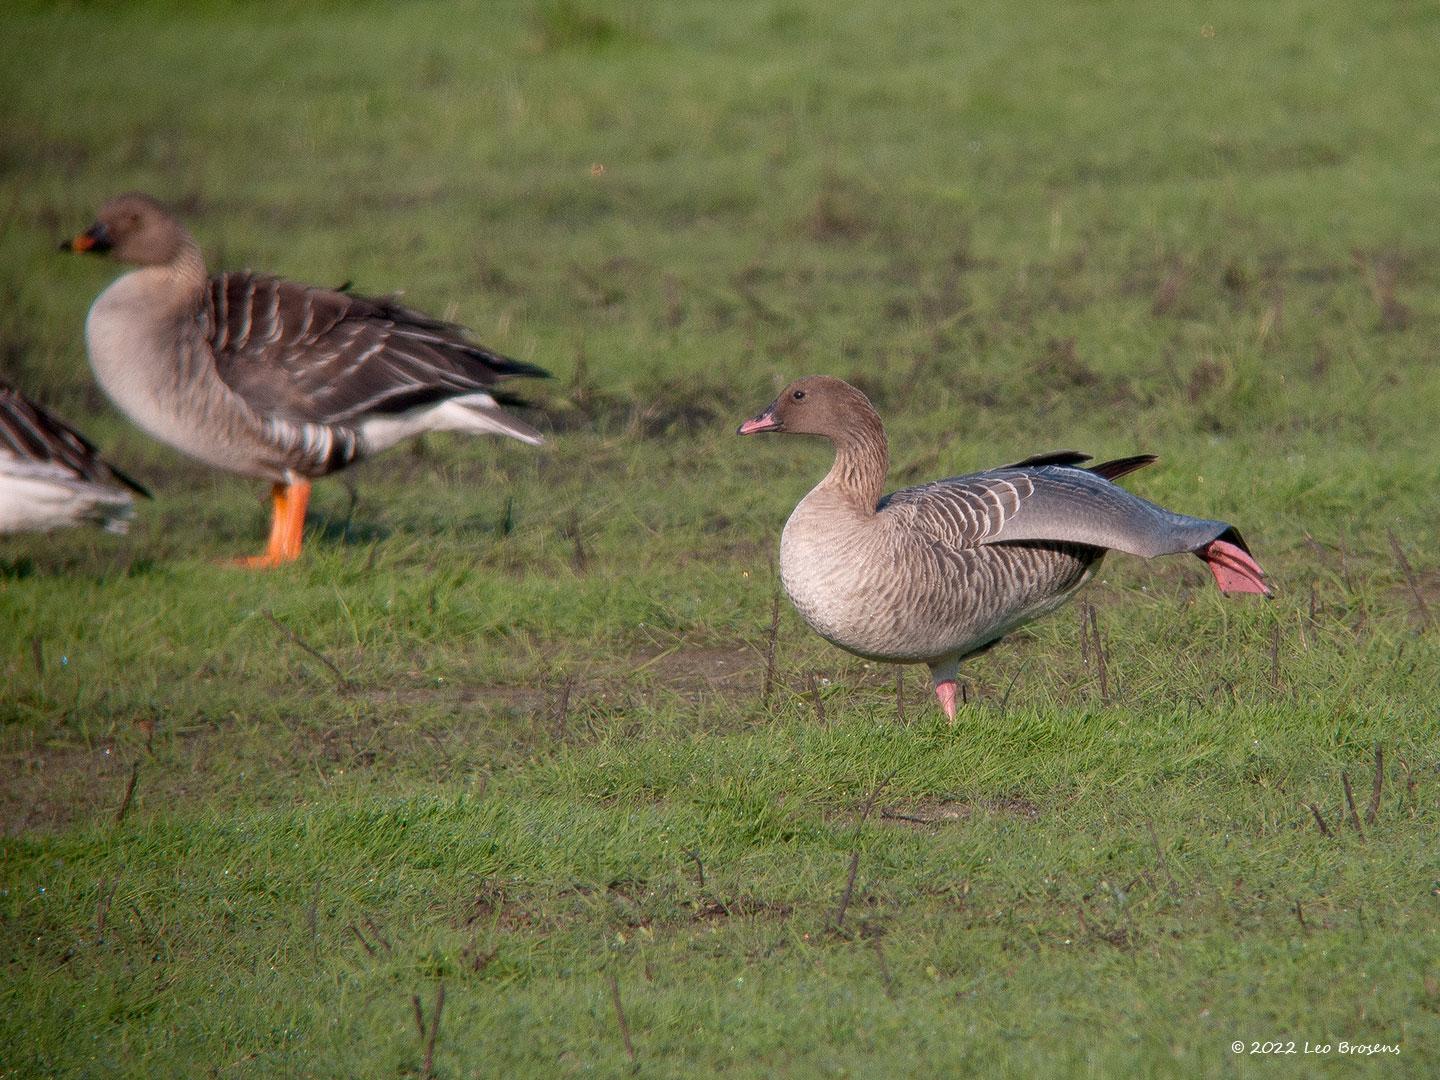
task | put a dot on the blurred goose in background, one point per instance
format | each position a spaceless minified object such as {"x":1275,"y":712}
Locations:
{"x":937,"y":573}
{"x":270,"y":378}
{"x":51,"y":476}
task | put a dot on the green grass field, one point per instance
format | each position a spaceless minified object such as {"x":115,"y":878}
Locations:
{"x":535,"y":760}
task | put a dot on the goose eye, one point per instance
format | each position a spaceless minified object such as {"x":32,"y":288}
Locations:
{"x":799,"y":395}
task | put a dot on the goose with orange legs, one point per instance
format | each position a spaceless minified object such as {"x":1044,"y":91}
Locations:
{"x":270,"y":378}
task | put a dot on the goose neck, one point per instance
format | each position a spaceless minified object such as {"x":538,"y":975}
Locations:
{"x":862,"y":458}
{"x":187,"y":268}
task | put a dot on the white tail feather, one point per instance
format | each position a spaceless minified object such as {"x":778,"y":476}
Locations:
{"x":474,"y":414}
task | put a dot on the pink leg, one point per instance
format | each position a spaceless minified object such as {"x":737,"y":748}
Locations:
{"x":1234,"y":569}
{"x":945,"y":691}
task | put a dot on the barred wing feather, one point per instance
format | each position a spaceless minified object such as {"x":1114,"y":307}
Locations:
{"x":1050,"y":503}
{"x":320,"y":355}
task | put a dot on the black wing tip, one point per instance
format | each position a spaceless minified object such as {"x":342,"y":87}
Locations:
{"x":1074,"y":459}
{"x":509,"y":400}
{"x":498,"y":364}
{"x":1231,"y":535}
{"x":507,"y":366}
{"x":431,"y":395}
{"x":1113,"y":470}
{"x":130,"y":482}
{"x":1053,"y":457}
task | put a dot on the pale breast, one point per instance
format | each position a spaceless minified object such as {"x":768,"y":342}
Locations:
{"x":843,"y":583}
{"x":889,"y":597}
{"x":157,"y":370}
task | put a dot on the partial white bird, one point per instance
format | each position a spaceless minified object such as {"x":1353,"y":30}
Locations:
{"x":52,"y":477}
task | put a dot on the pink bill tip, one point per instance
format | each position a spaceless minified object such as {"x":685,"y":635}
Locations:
{"x":763,"y":422}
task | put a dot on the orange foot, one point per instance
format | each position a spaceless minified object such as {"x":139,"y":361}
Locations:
{"x":287,"y":528}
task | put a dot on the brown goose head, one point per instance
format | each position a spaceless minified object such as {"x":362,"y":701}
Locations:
{"x":815,"y":405}
{"x":133,"y":228}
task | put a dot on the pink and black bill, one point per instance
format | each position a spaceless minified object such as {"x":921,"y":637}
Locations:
{"x":766,"y":421}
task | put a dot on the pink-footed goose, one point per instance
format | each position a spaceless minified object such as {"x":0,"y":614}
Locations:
{"x":936,"y":573}
{"x":270,"y":378}
{"x":51,"y":476}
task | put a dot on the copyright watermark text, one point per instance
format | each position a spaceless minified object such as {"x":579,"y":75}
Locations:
{"x":1291,"y":1046}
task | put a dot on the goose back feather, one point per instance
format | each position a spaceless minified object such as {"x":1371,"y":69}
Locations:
{"x":1057,"y":503}
{"x":325,"y":356}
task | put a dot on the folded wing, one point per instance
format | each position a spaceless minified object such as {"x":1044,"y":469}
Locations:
{"x":318,"y":355}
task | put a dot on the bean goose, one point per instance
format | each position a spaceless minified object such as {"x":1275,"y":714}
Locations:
{"x":936,"y":573}
{"x":270,"y":378}
{"x":51,"y":476}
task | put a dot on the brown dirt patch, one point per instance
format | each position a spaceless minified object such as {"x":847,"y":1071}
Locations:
{"x":740,"y":907}
{"x":493,"y":905}
{"x":935,"y":813}
{"x":692,"y":672}
{"x":1420,"y":596}
{"x":50,"y":787}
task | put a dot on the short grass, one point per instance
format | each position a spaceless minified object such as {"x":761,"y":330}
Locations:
{"x":506,"y":727}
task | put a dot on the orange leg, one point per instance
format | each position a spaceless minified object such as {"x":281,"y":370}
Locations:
{"x":287,"y":527}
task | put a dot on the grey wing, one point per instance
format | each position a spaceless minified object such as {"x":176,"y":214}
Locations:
{"x":1050,"y":503}
{"x":326,"y":356}
{"x":961,"y":512}
{"x":29,"y":433}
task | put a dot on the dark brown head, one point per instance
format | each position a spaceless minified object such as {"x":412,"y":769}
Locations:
{"x":133,"y":228}
{"x":815,"y":405}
